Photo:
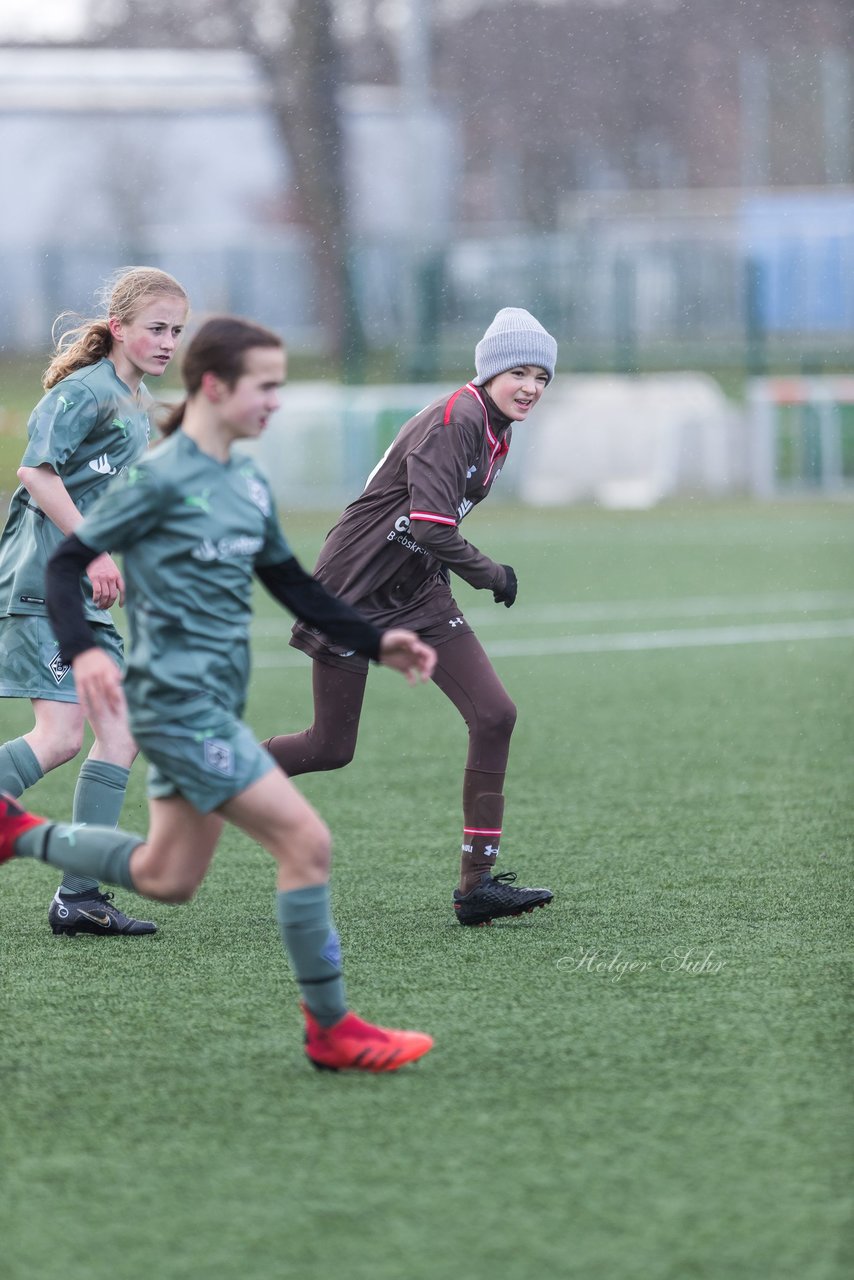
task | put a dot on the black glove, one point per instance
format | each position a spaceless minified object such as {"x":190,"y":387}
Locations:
{"x":507,"y":595}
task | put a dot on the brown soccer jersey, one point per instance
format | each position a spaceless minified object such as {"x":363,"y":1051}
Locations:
{"x":389,"y":551}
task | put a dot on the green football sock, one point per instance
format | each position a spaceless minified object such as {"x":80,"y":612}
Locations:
{"x":100,"y":793}
{"x":312,"y":943}
{"x":98,"y":799}
{"x":19,"y":767}
{"x":84,"y":851}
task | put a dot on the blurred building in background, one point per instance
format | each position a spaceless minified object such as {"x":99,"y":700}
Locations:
{"x":668,"y":185}
{"x":113,"y":155}
{"x":118,"y":155}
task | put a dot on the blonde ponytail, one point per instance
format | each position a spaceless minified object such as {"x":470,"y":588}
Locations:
{"x":88,"y":341}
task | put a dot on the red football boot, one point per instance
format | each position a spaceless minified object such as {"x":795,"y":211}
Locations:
{"x":353,"y":1045}
{"x":14,"y":821}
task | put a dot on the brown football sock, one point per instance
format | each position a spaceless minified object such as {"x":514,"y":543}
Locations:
{"x":483,"y":810}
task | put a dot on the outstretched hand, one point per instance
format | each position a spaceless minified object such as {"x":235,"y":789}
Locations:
{"x":98,"y":682}
{"x":403,"y":651}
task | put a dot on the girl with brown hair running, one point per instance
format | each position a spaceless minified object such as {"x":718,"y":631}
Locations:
{"x":195,"y":522}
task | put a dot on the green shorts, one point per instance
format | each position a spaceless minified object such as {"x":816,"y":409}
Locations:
{"x":30,"y":665}
{"x":206,"y":765}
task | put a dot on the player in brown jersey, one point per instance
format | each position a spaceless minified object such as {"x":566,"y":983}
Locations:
{"x":390,"y":555}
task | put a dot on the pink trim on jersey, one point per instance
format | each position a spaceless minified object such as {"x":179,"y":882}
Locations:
{"x":497,"y":452}
{"x":449,"y":406}
{"x":473,"y":390}
{"x":498,"y":448}
{"x":480,"y":831}
{"x":429,"y":515}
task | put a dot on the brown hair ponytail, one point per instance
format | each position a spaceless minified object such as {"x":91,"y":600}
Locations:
{"x":173,"y":419}
{"x":219,"y":347}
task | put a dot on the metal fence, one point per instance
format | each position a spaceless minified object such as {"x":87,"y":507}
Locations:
{"x":616,"y":302}
{"x":801,"y":434}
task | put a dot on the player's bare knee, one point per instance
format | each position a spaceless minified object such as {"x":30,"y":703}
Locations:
{"x":67,"y":751}
{"x":113,"y":742}
{"x":167,"y":887}
{"x":52,"y":752}
{"x":119,"y":752}
{"x":319,"y":847}
{"x":179,"y":894}
{"x":155,"y":876}
{"x":312,"y":848}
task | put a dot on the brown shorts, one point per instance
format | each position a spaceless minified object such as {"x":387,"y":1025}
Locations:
{"x":435,"y":627}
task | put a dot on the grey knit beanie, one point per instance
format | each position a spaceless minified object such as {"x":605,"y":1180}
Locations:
{"x":513,"y":338}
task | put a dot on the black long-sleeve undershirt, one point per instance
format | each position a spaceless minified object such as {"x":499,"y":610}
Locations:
{"x":309,"y":601}
{"x":287,"y":581}
{"x":64,"y":598}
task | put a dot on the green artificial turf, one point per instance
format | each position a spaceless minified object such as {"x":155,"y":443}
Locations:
{"x":646,"y":1081}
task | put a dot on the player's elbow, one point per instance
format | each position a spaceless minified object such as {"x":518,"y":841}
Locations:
{"x":34,"y":478}
{"x":427,"y":534}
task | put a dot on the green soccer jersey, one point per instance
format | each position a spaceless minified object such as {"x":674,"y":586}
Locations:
{"x":192,"y":530}
{"x":89,"y":428}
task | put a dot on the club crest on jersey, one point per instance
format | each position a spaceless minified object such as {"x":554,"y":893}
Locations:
{"x":219,"y":756}
{"x":58,"y":669}
{"x":258,"y":492}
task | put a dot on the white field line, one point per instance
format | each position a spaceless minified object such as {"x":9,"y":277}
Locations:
{"x":630,"y":610}
{"x":689,"y":638}
{"x":634,"y":641}
{"x":686,"y":607}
